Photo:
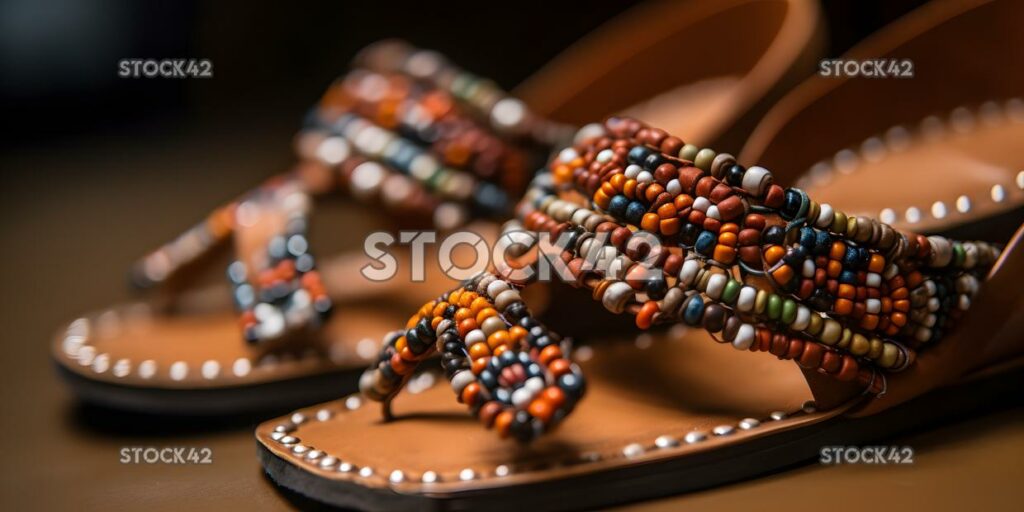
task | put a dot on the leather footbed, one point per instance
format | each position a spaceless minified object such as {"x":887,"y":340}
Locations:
{"x":682,"y":382}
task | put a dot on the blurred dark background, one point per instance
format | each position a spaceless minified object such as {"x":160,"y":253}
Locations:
{"x":58,"y":58}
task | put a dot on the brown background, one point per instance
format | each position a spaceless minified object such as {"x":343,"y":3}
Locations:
{"x":87,"y":186}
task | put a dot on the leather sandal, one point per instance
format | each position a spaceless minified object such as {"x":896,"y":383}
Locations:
{"x":962,"y":134}
{"x":874,"y":318}
{"x":403,"y":143}
{"x":175,"y":353}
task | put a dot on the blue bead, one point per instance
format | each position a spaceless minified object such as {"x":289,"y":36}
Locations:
{"x":705,"y":243}
{"x":822,"y":243}
{"x":848,"y":277}
{"x":807,"y":238}
{"x":617,"y":206}
{"x":850,"y":257}
{"x":635,"y":212}
{"x":694,"y":310}
{"x":638,"y":154}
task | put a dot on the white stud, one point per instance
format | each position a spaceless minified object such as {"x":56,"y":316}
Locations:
{"x":179,"y":370}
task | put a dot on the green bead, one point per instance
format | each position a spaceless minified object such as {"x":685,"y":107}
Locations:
{"x":788,"y":311}
{"x":689,"y":152}
{"x":704,"y":158}
{"x":774,"y":306}
{"x":959,"y":254}
{"x":731,"y":291}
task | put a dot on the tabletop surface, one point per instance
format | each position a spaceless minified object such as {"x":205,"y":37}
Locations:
{"x":74,"y":218}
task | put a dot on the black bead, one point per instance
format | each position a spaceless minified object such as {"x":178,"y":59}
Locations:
{"x":656,"y":288}
{"x":638,"y":154}
{"x":617,"y":206}
{"x":775,"y":235}
{"x":820,"y":300}
{"x":653,"y":160}
{"x":688,"y":234}
{"x":735,"y":175}
{"x":822,"y":243}
{"x":791,"y":204}
{"x":807,"y":238}
{"x":635,"y":212}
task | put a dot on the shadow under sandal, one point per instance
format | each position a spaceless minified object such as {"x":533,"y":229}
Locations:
{"x":404,"y":144}
{"x":889,"y":329}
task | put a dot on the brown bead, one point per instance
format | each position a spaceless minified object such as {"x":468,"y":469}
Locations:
{"x":688,"y":177}
{"x":671,"y":145}
{"x":620,"y":236}
{"x":673,"y":264}
{"x":774,"y":197}
{"x":714,"y":317}
{"x":731,"y":207}
{"x":665,"y":173}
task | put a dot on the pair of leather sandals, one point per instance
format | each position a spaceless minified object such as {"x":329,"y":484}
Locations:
{"x":663,"y":412}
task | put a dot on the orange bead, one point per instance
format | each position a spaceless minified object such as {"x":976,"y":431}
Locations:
{"x":466,"y":325}
{"x":682,"y":202}
{"x":902,"y":306}
{"x":617,"y":181}
{"x":727,"y":238}
{"x":517,"y":333}
{"x":847,"y":291}
{"x":834,"y":268}
{"x":479,"y":304}
{"x":484,"y":314}
{"x":667,"y":211}
{"x":730,"y":227}
{"x":602,"y":200}
{"x":479,"y":365}
{"x":724,"y":254}
{"x":649,"y":222}
{"x":502,"y":422}
{"x":645,"y":317}
{"x":629,"y":189}
{"x":898,"y":319}
{"x":549,"y":353}
{"x":877,"y":263}
{"x":559,"y":367}
{"x":773,"y":254}
{"x":498,"y":338}
{"x":470,"y":393}
{"x":462,"y":314}
{"x":436,"y":321}
{"x":670,"y":227}
{"x":563,"y":174}
{"x":478,"y":350}
{"x":499,"y":350}
{"x":540,"y":409}
{"x":554,"y":395}
{"x":837,"y":251}
{"x":783,"y":274}
{"x":843,"y":306}
{"x":869,"y":322}
{"x":439,"y":309}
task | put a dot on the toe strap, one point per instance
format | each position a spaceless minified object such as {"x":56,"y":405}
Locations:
{"x":502,"y":363}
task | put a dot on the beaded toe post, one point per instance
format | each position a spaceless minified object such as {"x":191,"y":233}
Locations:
{"x":443,"y":149}
{"x":673,"y":235}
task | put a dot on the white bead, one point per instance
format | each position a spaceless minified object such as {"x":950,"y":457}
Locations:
{"x":716,"y":285}
{"x":744,"y":337}
{"x":674,"y":187}
{"x":745,"y":302}
{"x":645,"y":177}
{"x":689,"y":272}
{"x":567,"y":155}
{"x":521,"y":398}
{"x":588,"y":132}
{"x":605,"y":156}
{"x":873,"y":280}
{"x":803,"y":319}
{"x":713,"y":213}
{"x":825,"y":216}
{"x":616,"y":296}
{"x":964,"y":303}
{"x":873,"y":306}
{"x":461,"y":379}
{"x":756,"y":180}
{"x":535,"y":384}
{"x":497,"y":287}
{"x":475,"y":336}
{"x":890,"y":272}
{"x":809,"y":268}
{"x":701,"y":204}
{"x":632,"y":171}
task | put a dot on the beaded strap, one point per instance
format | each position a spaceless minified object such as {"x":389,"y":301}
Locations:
{"x":758,"y":266}
{"x":502,"y":363}
{"x":396,"y":138}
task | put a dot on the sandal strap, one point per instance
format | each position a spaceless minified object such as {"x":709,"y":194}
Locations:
{"x":670,"y":232}
{"x":393,"y":137}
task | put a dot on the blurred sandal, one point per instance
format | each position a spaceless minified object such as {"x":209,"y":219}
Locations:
{"x":177,"y":353}
{"x":873,"y":317}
